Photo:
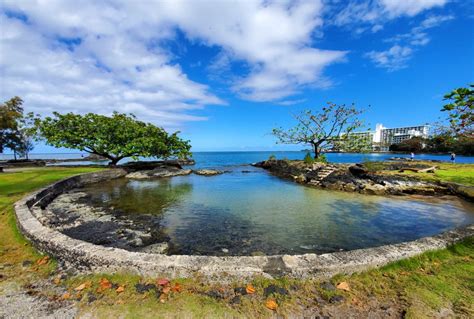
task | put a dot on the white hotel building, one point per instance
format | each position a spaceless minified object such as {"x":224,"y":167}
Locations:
{"x":383,"y":137}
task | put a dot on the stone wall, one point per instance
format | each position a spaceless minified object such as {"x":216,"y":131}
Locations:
{"x":88,"y":257}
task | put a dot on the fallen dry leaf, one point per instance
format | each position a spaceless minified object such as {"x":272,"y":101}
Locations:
{"x":271,"y":304}
{"x":120,"y":289}
{"x":176,"y":287}
{"x":104,"y":284}
{"x":250,"y":289}
{"x":343,"y":286}
{"x":356,"y":302}
{"x":83,"y":286}
{"x":66,"y":296}
{"x":166,"y":290}
{"x":57,"y":280}
{"x":120,"y":302}
{"x":162,"y":281}
{"x":42,"y":261}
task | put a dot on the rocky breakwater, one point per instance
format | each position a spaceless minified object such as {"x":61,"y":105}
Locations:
{"x":208,"y":172}
{"x":156,"y":171}
{"x":352,"y":178}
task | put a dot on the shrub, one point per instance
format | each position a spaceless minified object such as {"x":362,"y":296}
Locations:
{"x":272,"y":157}
{"x":308,"y":159}
{"x":321,"y":159}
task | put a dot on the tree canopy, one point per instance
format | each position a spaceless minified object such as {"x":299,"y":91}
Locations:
{"x":321,"y":129}
{"x":115,"y":137}
{"x":461,"y":110}
{"x":14,"y":132}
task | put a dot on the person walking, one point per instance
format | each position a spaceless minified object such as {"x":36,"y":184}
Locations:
{"x":412,"y":156}
{"x":453,"y":157}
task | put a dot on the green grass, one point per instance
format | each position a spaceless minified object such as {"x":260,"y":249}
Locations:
{"x":420,"y":287}
{"x":14,"y":248}
{"x":446,"y":172}
{"x":427,"y":283}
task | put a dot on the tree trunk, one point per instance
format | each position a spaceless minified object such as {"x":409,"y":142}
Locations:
{"x":14,"y":155}
{"x":114,"y":160}
{"x":316,"y":151}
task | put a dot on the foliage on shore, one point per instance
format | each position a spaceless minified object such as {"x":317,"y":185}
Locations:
{"x":115,"y":138}
{"x":443,"y":143}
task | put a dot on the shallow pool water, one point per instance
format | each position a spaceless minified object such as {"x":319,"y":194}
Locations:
{"x":248,"y":212}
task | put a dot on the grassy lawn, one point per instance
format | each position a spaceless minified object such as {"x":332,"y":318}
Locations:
{"x":447,"y":172}
{"x":434,"y":283}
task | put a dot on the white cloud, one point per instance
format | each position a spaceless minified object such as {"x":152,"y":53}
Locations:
{"x":101,"y":56}
{"x":292,"y":102}
{"x":106,"y":67}
{"x":393,"y":59}
{"x":372,"y":15}
{"x":397,"y":8}
{"x":397,"y":56}
{"x":114,"y":61}
{"x":272,"y":38}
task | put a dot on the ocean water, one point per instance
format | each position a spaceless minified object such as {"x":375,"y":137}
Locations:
{"x":248,"y":211}
{"x":222,"y":159}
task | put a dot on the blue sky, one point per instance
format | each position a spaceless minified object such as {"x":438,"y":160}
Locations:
{"x":225,"y":73}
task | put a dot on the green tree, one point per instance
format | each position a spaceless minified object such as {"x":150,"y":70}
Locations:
{"x":355,"y":143}
{"x":11,"y":112}
{"x":461,"y":110}
{"x":414,"y":144}
{"x":321,"y":129}
{"x":115,"y":137}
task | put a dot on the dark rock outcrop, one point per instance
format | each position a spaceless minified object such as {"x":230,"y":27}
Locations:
{"x":358,"y":170}
{"x":353,"y":178}
{"x":162,"y":171}
{"x":208,"y":172}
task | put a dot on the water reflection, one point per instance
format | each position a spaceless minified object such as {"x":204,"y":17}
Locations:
{"x":239,"y":214}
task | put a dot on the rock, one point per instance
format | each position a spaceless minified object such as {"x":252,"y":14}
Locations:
{"x":337,"y":185}
{"x":142,"y":288}
{"x":208,"y":172}
{"x":462,"y":190}
{"x":374,"y":189}
{"x":300,"y":178}
{"x":350,"y":187}
{"x":91,"y":297}
{"x":166,"y":171}
{"x":358,"y":171}
{"x":236,"y":300}
{"x":240,"y":290}
{"x":225,"y":250}
{"x":327,"y":286}
{"x":273,"y":289}
{"x":336,"y":299}
{"x":317,"y":166}
{"x":215,"y":294}
{"x":160,"y":248}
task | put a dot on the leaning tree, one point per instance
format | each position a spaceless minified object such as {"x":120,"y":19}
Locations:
{"x":321,"y":129}
{"x":116,"y":137}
